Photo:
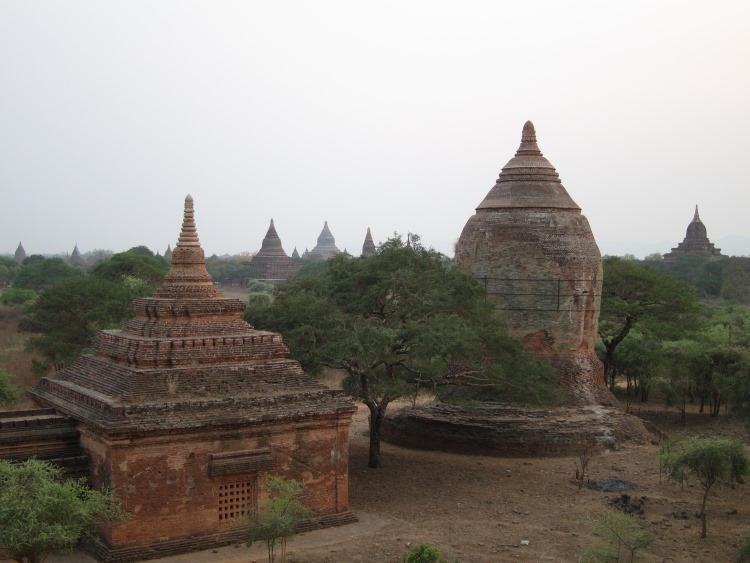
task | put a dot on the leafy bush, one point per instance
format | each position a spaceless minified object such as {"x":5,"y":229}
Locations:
{"x":41,"y":513}
{"x":17,"y":296}
{"x":274,"y":523}
{"x":622,"y":538}
{"x":424,"y":553}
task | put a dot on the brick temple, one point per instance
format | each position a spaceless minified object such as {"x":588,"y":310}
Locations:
{"x":534,"y":251}
{"x":695,"y":241}
{"x":185,"y":412}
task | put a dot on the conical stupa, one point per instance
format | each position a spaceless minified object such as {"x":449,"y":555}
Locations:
{"x":187,"y":410}
{"x":368,"y":247}
{"x":20,"y":253}
{"x":75,"y":258}
{"x":534,"y":251}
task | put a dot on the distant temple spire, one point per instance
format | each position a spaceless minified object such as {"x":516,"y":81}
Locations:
{"x":188,"y":278}
{"x":271,"y":262}
{"x":326,"y":247}
{"x":168,"y":253}
{"x":368,"y":248}
{"x":75,"y":258}
{"x":695,"y":241}
{"x":20,"y":253}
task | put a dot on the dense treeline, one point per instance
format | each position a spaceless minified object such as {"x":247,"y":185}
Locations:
{"x":679,"y":327}
{"x":65,"y":305}
{"x":687,"y":330}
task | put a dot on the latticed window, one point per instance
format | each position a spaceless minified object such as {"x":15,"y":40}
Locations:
{"x":236,"y":500}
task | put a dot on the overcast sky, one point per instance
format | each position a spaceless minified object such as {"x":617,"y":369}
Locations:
{"x":392,"y":115}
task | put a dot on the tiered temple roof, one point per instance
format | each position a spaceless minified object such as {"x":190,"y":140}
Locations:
{"x":271,"y":262}
{"x":695,"y":241}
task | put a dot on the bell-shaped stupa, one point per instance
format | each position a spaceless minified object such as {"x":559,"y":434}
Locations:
{"x":534,"y":252}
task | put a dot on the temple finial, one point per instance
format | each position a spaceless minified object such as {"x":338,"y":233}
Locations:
{"x":528,"y":141}
{"x":696,"y":217}
{"x":188,"y":234}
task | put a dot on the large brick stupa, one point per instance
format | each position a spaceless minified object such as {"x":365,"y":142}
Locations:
{"x":187,"y":410}
{"x":534,"y":251}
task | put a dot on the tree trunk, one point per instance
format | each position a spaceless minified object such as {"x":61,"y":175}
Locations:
{"x":703,"y":515}
{"x":609,"y":347}
{"x":377,"y":415}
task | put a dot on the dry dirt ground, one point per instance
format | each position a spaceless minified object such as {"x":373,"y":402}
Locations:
{"x":484,"y":509}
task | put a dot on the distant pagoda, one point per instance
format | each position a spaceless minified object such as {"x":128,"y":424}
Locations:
{"x":20,"y":255}
{"x":695,"y":242}
{"x":368,"y":248}
{"x":75,"y":258}
{"x":187,"y":410}
{"x":168,"y":254}
{"x":271,"y":262}
{"x":326,"y":247}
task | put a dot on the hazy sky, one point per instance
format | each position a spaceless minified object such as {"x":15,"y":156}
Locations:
{"x":392,"y":115}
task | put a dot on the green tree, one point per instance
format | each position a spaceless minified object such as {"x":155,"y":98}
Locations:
{"x":137,"y":263}
{"x":274,"y":522}
{"x":399,"y":319}
{"x":9,"y":269}
{"x":634,"y":294}
{"x":40,"y":513}
{"x":65,"y":318}
{"x":46,"y":273}
{"x":711,"y":460}
{"x":702,"y":273}
{"x":9,"y":392}
{"x":735,"y":279}
{"x":686,"y":365}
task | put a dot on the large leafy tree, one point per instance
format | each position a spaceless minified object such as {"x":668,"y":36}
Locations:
{"x":41,"y":513}
{"x":138,"y":263}
{"x":402,"y":318}
{"x":634,"y":294}
{"x":66,"y":317}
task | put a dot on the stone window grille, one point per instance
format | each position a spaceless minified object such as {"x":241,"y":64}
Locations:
{"x":236,"y":500}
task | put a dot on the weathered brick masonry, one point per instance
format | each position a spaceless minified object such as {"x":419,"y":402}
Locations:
{"x":186,"y":411}
{"x":533,"y":249}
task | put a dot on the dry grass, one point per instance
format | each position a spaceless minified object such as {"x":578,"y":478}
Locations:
{"x":14,"y":358}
